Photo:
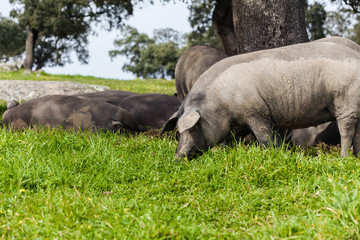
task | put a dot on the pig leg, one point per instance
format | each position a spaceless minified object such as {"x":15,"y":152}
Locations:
{"x":356,"y":139}
{"x":347,"y":133}
{"x":262,"y":130}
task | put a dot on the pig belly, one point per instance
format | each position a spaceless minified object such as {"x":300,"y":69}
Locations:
{"x":308,"y":119}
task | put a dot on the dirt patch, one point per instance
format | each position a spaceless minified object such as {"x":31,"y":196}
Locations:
{"x":24,"y":90}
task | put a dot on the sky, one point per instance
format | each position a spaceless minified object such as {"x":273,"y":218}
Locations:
{"x":145,"y":19}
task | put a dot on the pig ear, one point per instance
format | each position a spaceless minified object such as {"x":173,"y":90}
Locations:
{"x":12,"y":104}
{"x":116,"y":124}
{"x":188,"y":120}
{"x":171,"y":123}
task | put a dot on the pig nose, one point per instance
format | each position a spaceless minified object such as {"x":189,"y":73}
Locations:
{"x":180,"y":157}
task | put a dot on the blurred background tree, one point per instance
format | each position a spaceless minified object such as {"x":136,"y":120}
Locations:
{"x":315,"y":17}
{"x":54,"y":25}
{"x":12,"y":39}
{"x":200,"y":20}
{"x":149,"y":57}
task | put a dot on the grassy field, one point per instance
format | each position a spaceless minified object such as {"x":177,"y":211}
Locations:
{"x":140,"y":86}
{"x":67,"y":185}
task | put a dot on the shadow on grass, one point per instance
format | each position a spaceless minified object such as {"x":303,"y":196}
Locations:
{"x":321,"y":148}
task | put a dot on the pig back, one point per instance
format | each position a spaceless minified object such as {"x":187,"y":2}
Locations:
{"x":294,"y":87}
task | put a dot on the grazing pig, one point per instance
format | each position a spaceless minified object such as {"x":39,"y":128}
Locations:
{"x":327,"y":133}
{"x":290,"y":87}
{"x":69,"y":112}
{"x":191,"y":64}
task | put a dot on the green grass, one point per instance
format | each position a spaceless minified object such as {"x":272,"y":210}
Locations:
{"x":137,"y":85}
{"x":66,"y":185}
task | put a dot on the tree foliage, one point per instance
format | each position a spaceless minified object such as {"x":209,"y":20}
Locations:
{"x":315,"y":17}
{"x":12,"y":39}
{"x":319,"y":23}
{"x":56,"y":52}
{"x":149,"y":57}
{"x":353,"y":4}
{"x":356,"y":31}
{"x":60,"y":27}
{"x":157,"y":56}
{"x":342,"y":22}
{"x":200,"y":19}
{"x":56,"y":26}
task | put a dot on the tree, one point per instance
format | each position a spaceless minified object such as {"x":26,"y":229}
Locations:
{"x":223,"y":21}
{"x":258,"y":25}
{"x":343,"y":23}
{"x":209,"y":16}
{"x":56,"y":52}
{"x":353,"y":4}
{"x":315,"y":20}
{"x":62,"y":23}
{"x":338,"y":23}
{"x":249,"y":25}
{"x":268,"y":24}
{"x":212,"y":24}
{"x":200,"y":21}
{"x":12,"y":39}
{"x":149,"y":57}
{"x":356,"y":31}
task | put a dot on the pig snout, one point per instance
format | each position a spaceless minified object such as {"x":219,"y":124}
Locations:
{"x":191,"y":144}
{"x":187,"y":151}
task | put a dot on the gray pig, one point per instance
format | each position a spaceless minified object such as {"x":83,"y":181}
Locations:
{"x":192,"y":63}
{"x":150,"y":110}
{"x":110,"y":96}
{"x":290,"y":87}
{"x":70,"y":112}
{"x":327,"y":133}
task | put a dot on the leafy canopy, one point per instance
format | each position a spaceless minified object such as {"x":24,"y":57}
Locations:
{"x":65,"y":17}
{"x":200,"y":19}
{"x":315,"y":16}
{"x":62,"y":26}
{"x":353,"y":4}
{"x":12,"y":39}
{"x":149,"y":57}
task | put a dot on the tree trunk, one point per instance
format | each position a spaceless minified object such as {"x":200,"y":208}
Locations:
{"x":29,"y":48}
{"x":264,"y":24}
{"x":222,"y":19}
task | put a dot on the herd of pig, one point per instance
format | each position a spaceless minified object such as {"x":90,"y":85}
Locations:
{"x":305,"y":93}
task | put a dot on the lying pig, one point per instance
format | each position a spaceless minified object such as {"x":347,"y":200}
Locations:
{"x":150,"y":110}
{"x":192,"y":63}
{"x":290,"y":87}
{"x":70,"y":112}
{"x":109,"y":96}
